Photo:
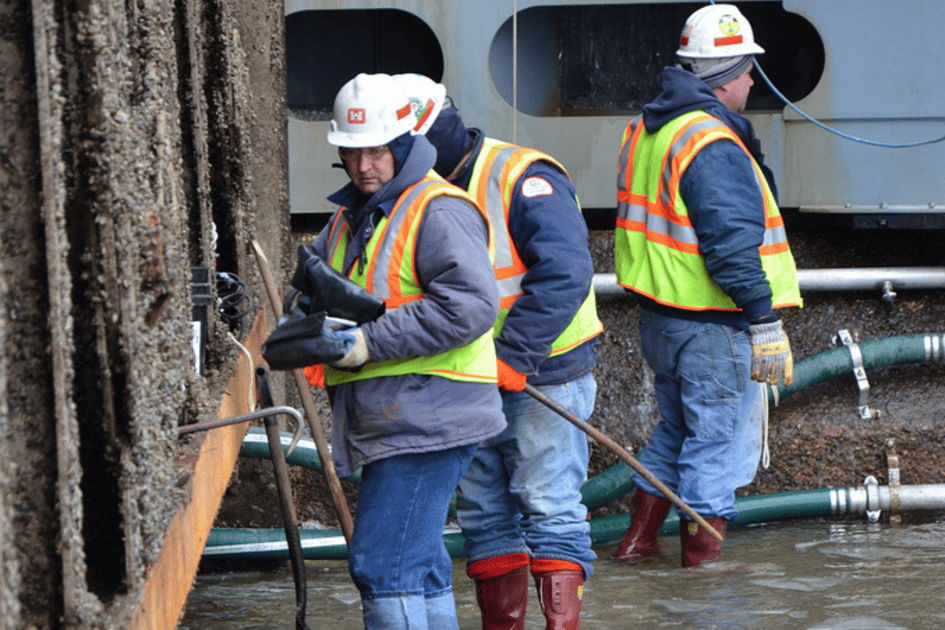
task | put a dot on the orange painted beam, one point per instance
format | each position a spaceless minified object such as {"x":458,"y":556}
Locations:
{"x":171,"y":576}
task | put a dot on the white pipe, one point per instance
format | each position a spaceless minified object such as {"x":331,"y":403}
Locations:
{"x":872,"y":497}
{"x":863,"y":279}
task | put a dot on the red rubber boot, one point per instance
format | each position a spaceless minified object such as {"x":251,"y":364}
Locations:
{"x":502,"y":598}
{"x":560,"y":593}
{"x":639,"y":541}
{"x":698,"y":545}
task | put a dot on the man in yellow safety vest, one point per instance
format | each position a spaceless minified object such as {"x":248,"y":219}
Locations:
{"x":519,"y":504}
{"x":701,"y":244}
{"x":415,"y":391}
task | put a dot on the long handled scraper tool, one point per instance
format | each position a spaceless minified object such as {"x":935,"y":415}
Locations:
{"x":308,"y":402}
{"x":284,"y":486}
{"x":620,"y":452}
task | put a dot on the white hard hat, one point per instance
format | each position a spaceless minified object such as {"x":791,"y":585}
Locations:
{"x":717,"y":31}
{"x":426,"y":98}
{"x":370,"y":111}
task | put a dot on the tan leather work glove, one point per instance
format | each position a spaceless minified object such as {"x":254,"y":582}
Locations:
{"x":771,"y":358}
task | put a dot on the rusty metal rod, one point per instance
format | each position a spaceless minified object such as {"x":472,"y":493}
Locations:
{"x":308,"y":402}
{"x":247,"y":417}
{"x":622,"y":453}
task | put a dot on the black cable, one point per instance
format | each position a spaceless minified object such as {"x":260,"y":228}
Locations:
{"x":231,"y":293}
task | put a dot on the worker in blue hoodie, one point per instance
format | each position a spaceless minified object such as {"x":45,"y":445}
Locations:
{"x":701,"y":244}
{"x":519,"y":503}
{"x":415,"y":392}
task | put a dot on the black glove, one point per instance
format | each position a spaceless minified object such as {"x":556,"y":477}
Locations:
{"x":298,"y":342}
{"x":324,"y":289}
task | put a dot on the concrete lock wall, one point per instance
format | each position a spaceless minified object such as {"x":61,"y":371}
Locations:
{"x":139,"y":140}
{"x":142,"y":140}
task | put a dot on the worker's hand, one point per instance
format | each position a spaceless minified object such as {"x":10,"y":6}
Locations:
{"x":771,"y":358}
{"x":510,"y":379}
{"x":357,"y":352}
{"x":315,"y":375}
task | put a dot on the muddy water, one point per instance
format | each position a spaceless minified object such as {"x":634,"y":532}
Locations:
{"x":813,"y":575}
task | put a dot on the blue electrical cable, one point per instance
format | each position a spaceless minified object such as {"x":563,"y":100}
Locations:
{"x":834,"y":131}
{"x":831,"y":130}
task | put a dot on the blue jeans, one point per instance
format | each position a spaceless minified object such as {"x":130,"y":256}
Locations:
{"x":522,"y":492}
{"x":708,"y":442}
{"x":397,"y":558}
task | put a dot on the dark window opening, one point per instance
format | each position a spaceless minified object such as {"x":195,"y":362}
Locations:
{"x":607,"y":60}
{"x":325,"y":49}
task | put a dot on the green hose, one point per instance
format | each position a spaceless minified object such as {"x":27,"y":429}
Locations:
{"x":616,"y":481}
{"x":837,"y":361}
{"x":597,"y":491}
{"x":251,"y":544}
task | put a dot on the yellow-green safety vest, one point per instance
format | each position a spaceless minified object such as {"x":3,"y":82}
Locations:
{"x":656,"y":249}
{"x":495,"y":173}
{"x":389,"y":274}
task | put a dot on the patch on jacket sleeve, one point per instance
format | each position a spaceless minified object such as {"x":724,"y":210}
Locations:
{"x":536,"y":187}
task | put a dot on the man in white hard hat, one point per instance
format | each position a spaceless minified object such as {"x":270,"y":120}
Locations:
{"x":519,"y":504}
{"x":701,"y":244}
{"x":416,"y":391}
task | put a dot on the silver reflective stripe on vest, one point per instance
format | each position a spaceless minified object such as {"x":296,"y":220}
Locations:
{"x":675,"y":148}
{"x":625,"y":157}
{"x":495,"y":208}
{"x":510,"y":286}
{"x":380,"y":284}
{"x":638,"y":213}
{"x":775,"y":235}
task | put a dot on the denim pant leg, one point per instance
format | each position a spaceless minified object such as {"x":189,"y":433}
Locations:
{"x":704,"y":447}
{"x":397,"y":552}
{"x":522,"y":493}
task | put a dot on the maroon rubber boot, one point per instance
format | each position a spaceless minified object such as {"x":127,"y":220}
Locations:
{"x":560,"y":594}
{"x":502,"y":600}
{"x":698,"y":545}
{"x":639,"y":541}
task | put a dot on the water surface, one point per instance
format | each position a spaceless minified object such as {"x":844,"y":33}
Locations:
{"x":813,"y":575}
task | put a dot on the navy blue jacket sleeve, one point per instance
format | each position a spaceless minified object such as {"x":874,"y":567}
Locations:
{"x":551,"y":236}
{"x":726,"y":207}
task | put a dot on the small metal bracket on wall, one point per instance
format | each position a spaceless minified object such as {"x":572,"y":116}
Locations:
{"x":860,"y":373}
{"x":895,"y":496}
{"x":872,"y":499}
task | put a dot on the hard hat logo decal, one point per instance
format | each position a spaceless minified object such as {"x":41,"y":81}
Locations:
{"x":356,"y":115}
{"x":421,"y":110}
{"x":686,"y":34}
{"x":729,"y":25}
{"x":403,"y":112}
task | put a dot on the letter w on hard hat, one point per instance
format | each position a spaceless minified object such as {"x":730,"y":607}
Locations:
{"x":370,"y":110}
{"x":717,"y":44}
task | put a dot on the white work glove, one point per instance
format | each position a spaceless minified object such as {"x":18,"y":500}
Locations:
{"x":357,"y":352}
{"x":771,"y":358}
